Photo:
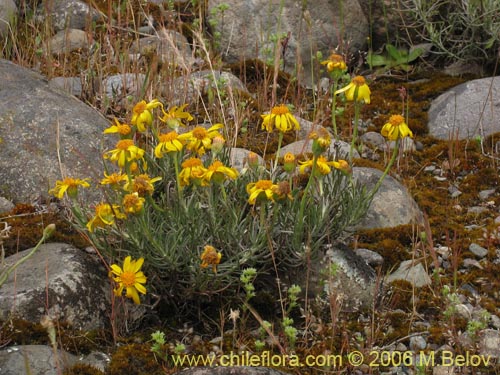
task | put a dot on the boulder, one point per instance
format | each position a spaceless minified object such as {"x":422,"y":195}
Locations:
{"x":35,"y":360}
{"x":60,"y":281}
{"x":252,"y":29}
{"x":392,"y":205}
{"x":45,"y":133}
{"x":73,"y":14}
{"x":467,"y":110}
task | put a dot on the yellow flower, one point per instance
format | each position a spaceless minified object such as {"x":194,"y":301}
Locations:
{"x":133,"y":203}
{"x":322,"y":165}
{"x":210,"y":257}
{"x":130,"y":278}
{"x":114,"y":179}
{"x":70,"y":186}
{"x":173,"y":118}
{"x":192,"y":169}
{"x":335,"y":62}
{"x":281,"y":118}
{"x":253,"y":160}
{"x":169,"y":142}
{"x":142,"y":116}
{"x":141,"y":184}
{"x":122,"y":129}
{"x":125,"y":152}
{"x":357,"y":87}
{"x":105,"y":214}
{"x":217,"y":172}
{"x":289,"y":162}
{"x":262,"y":189}
{"x":396,"y":128}
{"x":321,"y":140}
{"x":200,"y":139}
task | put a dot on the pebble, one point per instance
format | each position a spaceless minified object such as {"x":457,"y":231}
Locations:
{"x":485,"y":194}
{"x":469,"y":263}
{"x":477,"y":210}
{"x":477,"y":250}
{"x":417,"y":343}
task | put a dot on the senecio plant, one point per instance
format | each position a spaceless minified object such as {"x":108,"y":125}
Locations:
{"x":174,"y":204}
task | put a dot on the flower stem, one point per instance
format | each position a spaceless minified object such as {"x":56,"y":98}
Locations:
{"x":300,"y":219}
{"x":357,"y":108}
{"x":280,"y":140}
{"x":386,"y":171}
{"x":334,"y":109}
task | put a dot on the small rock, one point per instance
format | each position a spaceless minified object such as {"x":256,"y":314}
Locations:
{"x":489,"y":343}
{"x":373,"y":139}
{"x":417,"y":343}
{"x":477,"y":210}
{"x":119,"y":86}
{"x":477,"y":250}
{"x":68,"y":40}
{"x":454,"y":192}
{"x":485,"y":194}
{"x":370,"y":257}
{"x":495,"y":321}
{"x":440,"y":178}
{"x":415,"y":274}
{"x":5,"y":205}
{"x":469,"y":263}
{"x":430,"y":168}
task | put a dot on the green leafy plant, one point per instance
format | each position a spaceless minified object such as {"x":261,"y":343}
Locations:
{"x":394,"y":58}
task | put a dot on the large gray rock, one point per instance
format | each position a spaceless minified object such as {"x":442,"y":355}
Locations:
{"x":34,"y":360}
{"x":44,"y":131}
{"x":392,"y":205}
{"x":354,"y":283}
{"x":73,"y":14}
{"x":60,"y":281}
{"x":8,"y":11}
{"x":247,"y":29}
{"x":469,"y":109}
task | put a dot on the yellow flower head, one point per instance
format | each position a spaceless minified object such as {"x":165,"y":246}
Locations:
{"x":200,"y":139}
{"x":123,"y":129}
{"x":130,"y":278}
{"x":114,"y":179}
{"x":262,"y":189}
{"x":321,"y":140}
{"x":281,"y":118}
{"x":141,"y":184}
{"x":133,"y":203}
{"x":396,"y":128}
{"x":192,"y":169}
{"x":289,"y":162}
{"x":125,"y":152}
{"x":218,"y":172}
{"x":105,"y":214}
{"x":169,"y":142}
{"x":357,"y":90}
{"x":253,"y":160}
{"x":322,"y":165}
{"x":217,"y":144}
{"x":210,"y":257}
{"x":142,"y":116}
{"x":173,"y":118}
{"x":70,"y":186}
{"x":335,"y":62}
